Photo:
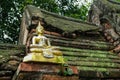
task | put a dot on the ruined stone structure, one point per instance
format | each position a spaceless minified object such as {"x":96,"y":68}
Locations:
{"x":106,"y":14}
{"x":88,"y":47}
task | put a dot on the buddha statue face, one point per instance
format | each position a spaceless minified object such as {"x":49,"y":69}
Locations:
{"x":39,"y":29}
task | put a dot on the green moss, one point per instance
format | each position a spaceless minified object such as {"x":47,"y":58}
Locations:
{"x":98,"y":72}
{"x":95,"y":64}
{"x":81,"y":54}
{"x":7,"y":50}
{"x":70,"y":49}
{"x":110,"y":6}
{"x":88,"y":45}
{"x":72,"y":58}
{"x":91,"y":69}
{"x":118,"y":0}
{"x":5,"y":54}
{"x":66,"y":24}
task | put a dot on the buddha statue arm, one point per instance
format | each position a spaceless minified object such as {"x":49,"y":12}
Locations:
{"x":48,"y":43}
{"x":34,"y":40}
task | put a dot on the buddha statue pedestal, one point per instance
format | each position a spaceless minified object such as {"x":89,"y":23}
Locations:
{"x":42,"y":71}
{"x":39,"y":57}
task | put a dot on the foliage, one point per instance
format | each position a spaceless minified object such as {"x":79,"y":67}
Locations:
{"x":76,"y":12}
{"x":49,"y":5}
{"x":10,"y":18}
{"x":70,"y":9}
{"x":11,"y":13}
{"x":118,"y":0}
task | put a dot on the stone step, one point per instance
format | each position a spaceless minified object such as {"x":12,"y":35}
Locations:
{"x":81,"y":45}
{"x":77,"y":39}
{"x":80,"y":54}
{"x":91,"y":59}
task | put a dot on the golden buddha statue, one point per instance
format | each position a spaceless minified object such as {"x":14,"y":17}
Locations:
{"x":41,"y":49}
{"x":40,"y":40}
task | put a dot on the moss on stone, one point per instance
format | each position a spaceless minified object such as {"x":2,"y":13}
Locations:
{"x":67,"y":24}
{"x":99,"y":69}
{"x":95,"y":64}
{"x":96,"y":55}
{"x":111,"y":6}
{"x":7,"y":50}
{"x":69,"y":49}
{"x":72,"y":58}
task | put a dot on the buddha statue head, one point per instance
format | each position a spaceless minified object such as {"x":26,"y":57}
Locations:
{"x":39,"y":29}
